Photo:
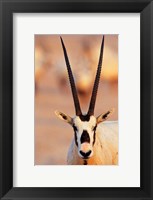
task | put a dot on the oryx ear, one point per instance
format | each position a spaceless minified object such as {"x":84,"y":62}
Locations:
{"x":105,"y":116}
{"x":63,"y":117}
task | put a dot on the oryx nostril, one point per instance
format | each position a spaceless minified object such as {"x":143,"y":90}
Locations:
{"x":82,"y":153}
{"x":88,"y":153}
{"x":85,"y":154}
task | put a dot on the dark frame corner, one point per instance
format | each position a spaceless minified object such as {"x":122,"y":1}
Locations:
{"x":7,"y":8}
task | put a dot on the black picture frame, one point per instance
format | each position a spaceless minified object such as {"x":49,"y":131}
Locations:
{"x":7,"y":8}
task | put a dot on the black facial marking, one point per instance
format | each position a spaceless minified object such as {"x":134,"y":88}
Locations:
{"x":85,"y":117}
{"x":94,"y":128}
{"x":75,"y":137}
{"x":85,"y":137}
{"x":85,"y":162}
{"x":75,"y":134}
{"x":94,"y":136}
{"x":75,"y":128}
{"x":105,"y":115}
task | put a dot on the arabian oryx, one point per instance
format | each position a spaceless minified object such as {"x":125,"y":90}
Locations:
{"x":94,"y":142}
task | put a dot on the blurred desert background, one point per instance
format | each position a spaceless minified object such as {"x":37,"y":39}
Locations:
{"x":52,"y":89}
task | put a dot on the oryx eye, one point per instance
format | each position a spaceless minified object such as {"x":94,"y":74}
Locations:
{"x":75,"y":128}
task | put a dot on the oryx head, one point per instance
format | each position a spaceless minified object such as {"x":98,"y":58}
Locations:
{"x":84,"y":125}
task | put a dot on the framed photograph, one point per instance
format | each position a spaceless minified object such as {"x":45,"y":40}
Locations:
{"x":76,"y":99}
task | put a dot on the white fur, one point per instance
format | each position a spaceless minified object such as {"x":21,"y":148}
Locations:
{"x":105,"y":149}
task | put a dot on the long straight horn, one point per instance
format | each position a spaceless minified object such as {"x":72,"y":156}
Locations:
{"x":72,"y":83}
{"x":96,"y":83}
